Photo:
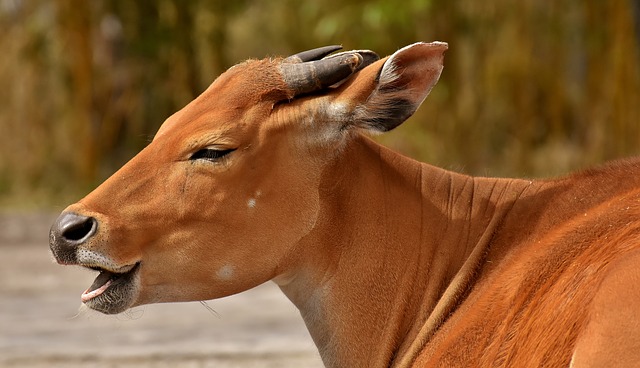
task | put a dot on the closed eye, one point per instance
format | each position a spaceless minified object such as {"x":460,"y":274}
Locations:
{"x":210,"y":154}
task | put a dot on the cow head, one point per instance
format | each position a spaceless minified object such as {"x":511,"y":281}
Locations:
{"x":218,"y":201}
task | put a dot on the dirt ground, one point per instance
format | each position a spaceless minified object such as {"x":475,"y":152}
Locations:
{"x":41,"y":326}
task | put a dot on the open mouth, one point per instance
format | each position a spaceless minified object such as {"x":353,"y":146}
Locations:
{"x":110,"y":289}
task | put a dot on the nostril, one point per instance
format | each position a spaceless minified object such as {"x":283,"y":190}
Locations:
{"x":76,"y":228}
{"x":68,"y":233}
{"x":79,"y":230}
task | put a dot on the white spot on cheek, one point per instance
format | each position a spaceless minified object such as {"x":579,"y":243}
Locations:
{"x":225,"y":272}
{"x":251,"y":203}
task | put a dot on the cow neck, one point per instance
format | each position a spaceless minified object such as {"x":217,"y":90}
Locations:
{"x":395,"y":246}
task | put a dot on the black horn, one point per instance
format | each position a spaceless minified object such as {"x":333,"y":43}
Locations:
{"x":310,"y":55}
{"x":303,"y":73}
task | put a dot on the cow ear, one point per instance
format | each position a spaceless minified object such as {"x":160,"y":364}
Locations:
{"x":388,"y":94}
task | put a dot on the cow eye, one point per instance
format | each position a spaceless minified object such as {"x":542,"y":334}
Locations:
{"x":210,"y":154}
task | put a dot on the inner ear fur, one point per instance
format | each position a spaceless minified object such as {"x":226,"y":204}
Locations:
{"x":391,"y":90}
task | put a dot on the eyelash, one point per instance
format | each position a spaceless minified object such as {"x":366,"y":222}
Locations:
{"x":210,"y":154}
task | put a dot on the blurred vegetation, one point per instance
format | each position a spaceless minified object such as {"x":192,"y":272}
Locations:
{"x":530,"y":88}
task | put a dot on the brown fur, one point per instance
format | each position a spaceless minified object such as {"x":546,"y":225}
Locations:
{"x":391,"y":262}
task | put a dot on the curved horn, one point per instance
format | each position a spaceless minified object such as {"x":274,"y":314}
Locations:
{"x":310,"y":76}
{"x":314,"y":75}
{"x":368,"y":57}
{"x":310,"y":55}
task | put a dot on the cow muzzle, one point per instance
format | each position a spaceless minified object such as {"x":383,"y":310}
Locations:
{"x":116,"y":287}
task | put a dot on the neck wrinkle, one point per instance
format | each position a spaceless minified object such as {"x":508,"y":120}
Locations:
{"x":473,"y":210}
{"x":376,"y":279}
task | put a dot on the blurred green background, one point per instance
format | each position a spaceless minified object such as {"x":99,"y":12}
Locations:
{"x":530,"y":87}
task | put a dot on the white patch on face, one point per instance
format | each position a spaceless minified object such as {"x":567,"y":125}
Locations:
{"x":251,"y":203}
{"x":328,"y":133}
{"x":225,"y":272}
{"x":324,"y":126}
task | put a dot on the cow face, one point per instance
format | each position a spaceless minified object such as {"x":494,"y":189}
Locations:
{"x":218,"y":201}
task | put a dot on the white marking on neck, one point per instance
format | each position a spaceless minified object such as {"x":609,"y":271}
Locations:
{"x":225,"y":272}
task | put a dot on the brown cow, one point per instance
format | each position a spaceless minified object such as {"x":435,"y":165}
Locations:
{"x":268,"y":175}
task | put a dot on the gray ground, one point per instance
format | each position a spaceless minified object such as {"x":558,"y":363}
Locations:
{"x":40,"y":325}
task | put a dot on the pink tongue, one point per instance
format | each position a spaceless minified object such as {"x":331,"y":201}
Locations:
{"x":90,"y":294}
